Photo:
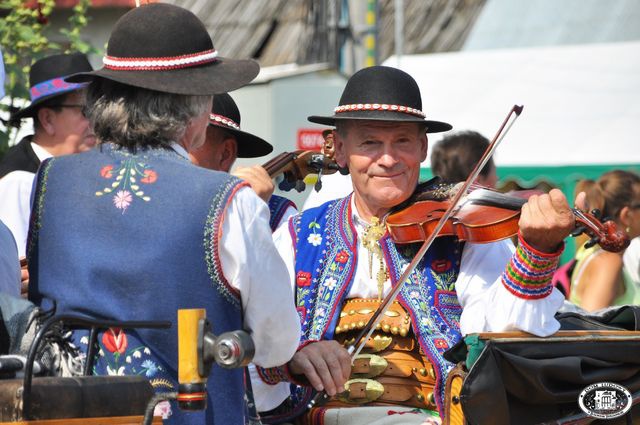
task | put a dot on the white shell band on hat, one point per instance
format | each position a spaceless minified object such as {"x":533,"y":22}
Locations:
{"x":379,"y":107}
{"x":159,"y":63}
{"x":215,"y":119}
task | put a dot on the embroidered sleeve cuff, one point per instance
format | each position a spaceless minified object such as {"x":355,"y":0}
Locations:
{"x":274,"y":375}
{"x":528,"y":274}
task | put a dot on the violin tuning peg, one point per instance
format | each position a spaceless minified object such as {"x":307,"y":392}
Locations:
{"x":596,"y":213}
{"x":285,"y":185}
{"x":591,"y":243}
{"x":343,"y":170}
{"x":300,"y":186}
{"x":578,"y":231}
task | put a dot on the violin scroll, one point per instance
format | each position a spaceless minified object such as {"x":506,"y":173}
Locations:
{"x":295,"y":166}
{"x":606,"y":233}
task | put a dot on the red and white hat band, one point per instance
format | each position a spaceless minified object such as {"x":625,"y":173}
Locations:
{"x":379,"y":107}
{"x":159,"y":63}
{"x":216,"y":119}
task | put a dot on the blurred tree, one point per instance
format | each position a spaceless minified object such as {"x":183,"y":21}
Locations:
{"x":23,"y":41}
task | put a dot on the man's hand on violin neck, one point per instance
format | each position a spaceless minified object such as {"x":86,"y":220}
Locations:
{"x":546,"y":220}
{"x":325,"y":364}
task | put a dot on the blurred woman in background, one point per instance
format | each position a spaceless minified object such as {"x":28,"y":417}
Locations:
{"x":600,"y":278}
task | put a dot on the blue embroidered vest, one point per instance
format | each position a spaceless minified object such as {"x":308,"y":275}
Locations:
{"x":124,"y":236}
{"x":325,"y":245}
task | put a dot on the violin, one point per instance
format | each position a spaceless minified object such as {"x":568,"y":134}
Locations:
{"x":484,"y":216}
{"x":295,"y":166}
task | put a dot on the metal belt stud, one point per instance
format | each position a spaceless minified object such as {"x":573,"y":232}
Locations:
{"x":361,"y":391}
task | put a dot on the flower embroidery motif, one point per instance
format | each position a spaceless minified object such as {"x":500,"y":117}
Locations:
{"x":118,"y":371}
{"x":106,"y":171}
{"x":150,"y":367}
{"x":122,"y":200}
{"x":115,"y":340}
{"x":125,"y":182}
{"x":163,"y":409}
{"x":330,"y":283}
{"x":441,"y":343}
{"x":303,"y":278}
{"x":320,"y":312}
{"x":314,"y":239}
{"x":342,"y":257}
{"x":149,"y":177}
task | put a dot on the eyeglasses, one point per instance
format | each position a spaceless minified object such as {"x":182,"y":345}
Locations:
{"x":83,"y":108}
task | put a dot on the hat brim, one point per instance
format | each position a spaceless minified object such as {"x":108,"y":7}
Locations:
{"x":432,"y":126}
{"x":249,"y":146}
{"x":30,"y":111}
{"x":221,"y":76}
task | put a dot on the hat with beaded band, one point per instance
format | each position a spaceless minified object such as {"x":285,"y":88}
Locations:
{"x":167,"y":48}
{"x":225,"y":114}
{"x":381,"y":93}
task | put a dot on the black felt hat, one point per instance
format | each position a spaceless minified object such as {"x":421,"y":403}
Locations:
{"x":225,"y":114}
{"x":46,"y":80}
{"x":381,"y":93}
{"x":167,"y":48}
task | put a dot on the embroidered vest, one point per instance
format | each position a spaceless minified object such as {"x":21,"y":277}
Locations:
{"x":325,"y":245}
{"x":124,"y":236}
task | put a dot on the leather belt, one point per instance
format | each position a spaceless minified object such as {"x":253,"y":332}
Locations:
{"x":385,"y":391}
{"x":392,"y":370}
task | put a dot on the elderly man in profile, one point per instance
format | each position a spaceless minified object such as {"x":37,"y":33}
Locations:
{"x":133,"y":230}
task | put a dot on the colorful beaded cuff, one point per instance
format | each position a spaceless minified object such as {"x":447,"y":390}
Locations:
{"x":528,"y":274}
{"x":273,"y":375}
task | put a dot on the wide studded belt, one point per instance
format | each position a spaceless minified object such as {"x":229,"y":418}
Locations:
{"x":391,"y":369}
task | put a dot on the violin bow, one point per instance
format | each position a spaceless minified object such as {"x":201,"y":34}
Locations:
{"x":364,"y":335}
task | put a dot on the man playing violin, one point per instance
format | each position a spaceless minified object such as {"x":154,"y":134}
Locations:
{"x":342,"y":261}
{"x":225,"y":142}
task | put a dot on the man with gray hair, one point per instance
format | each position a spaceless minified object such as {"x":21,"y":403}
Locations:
{"x":133,"y":230}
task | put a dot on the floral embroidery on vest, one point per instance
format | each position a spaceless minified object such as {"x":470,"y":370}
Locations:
{"x":125,"y":184}
{"x":325,"y":267}
{"x":121,"y":354}
{"x":429,"y":295}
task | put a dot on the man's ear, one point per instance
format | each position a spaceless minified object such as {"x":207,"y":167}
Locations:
{"x":229,"y":153}
{"x":340,"y":154}
{"x":424,"y":141}
{"x":46,"y":119}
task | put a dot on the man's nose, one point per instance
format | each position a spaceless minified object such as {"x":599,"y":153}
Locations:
{"x":388,"y":157}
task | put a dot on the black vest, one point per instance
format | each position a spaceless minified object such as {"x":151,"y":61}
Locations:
{"x":20,"y":157}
